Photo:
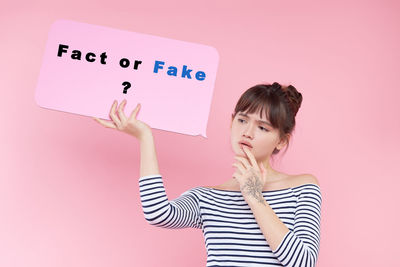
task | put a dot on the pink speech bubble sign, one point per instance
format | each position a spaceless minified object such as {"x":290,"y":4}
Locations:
{"x":178,"y":103}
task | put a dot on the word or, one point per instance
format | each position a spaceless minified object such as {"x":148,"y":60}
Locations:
{"x":124,"y":62}
{"x":172,"y":71}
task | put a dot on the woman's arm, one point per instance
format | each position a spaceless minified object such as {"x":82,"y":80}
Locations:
{"x":300,"y":247}
{"x":181,"y":212}
{"x":148,"y":155}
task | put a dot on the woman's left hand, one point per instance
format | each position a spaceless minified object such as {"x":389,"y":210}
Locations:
{"x":250,"y":175}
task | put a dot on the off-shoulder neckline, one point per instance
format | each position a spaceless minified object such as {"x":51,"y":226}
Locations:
{"x":268,"y":191}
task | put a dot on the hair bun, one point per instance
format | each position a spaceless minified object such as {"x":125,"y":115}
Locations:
{"x":276,"y":86}
{"x":294,"y":97}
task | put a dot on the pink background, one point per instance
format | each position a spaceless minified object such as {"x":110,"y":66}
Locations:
{"x":69,"y":187}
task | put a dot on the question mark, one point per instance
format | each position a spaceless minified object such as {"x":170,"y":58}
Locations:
{"x":127,"y":86}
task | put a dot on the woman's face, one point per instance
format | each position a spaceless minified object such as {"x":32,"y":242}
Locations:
{"x":258,"y":132}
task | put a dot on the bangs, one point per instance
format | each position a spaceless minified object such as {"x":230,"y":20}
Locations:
{"x":261,"y":101}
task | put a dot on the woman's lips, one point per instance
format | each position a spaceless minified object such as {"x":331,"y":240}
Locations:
{"x":242,"y":145}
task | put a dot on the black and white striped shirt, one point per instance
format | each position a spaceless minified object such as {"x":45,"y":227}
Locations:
{"x":231,"y":233}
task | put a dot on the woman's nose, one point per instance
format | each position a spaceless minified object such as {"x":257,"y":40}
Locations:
{"x":248,"y":132}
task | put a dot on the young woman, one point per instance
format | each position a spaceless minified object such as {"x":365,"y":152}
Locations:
{"x":259,"y":217}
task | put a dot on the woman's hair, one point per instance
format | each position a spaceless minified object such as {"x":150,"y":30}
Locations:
{"x":280,"y":104}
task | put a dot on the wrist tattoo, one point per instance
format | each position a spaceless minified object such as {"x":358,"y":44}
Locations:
{"x":253,"y":188}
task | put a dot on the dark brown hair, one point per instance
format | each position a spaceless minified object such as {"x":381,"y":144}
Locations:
{"x":280,"y":104}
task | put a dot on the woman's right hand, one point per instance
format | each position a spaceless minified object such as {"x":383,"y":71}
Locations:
{"x":130,"y":125}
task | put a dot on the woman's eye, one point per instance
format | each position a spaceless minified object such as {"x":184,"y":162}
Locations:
{"x":262,"y":128}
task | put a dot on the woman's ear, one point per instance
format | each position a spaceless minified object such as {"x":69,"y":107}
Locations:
{"x":282,"y":143}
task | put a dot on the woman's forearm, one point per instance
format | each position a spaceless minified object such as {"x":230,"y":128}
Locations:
{"x":148,"y":156}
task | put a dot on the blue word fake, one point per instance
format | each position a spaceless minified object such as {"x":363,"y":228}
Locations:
{"x":173,"y":71}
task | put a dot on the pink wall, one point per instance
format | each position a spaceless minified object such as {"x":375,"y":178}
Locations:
{"x":69,"y":187}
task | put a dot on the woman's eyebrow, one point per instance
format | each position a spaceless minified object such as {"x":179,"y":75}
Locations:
{"x":247,"y":116}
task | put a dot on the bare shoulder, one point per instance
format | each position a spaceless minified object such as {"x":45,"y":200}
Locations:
{"x":301,"y":179}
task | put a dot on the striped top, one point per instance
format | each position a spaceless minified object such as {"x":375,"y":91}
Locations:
{"x":231,"y":233}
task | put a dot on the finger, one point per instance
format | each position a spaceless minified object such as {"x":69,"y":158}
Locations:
{"x":251,"y":157}
{"x":105,"y":123}
{"x":135,"y":111}
{"x":244,"y":161}
{"x":121,"y":113}
{"x":263,"y":169}
{"x":113,"y":116}
{"x":240,"y":167}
